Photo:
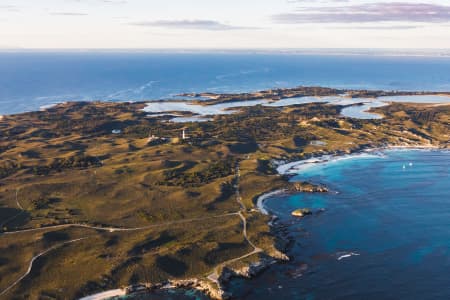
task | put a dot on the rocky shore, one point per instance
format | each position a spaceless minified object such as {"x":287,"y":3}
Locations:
{"x":306,"y":187}
{"x":271,"y":145}
{"x":219,"y":291}
{"x":283,"y":240}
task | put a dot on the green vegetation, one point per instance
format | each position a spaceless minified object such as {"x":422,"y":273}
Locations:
{"x":178,"y":197}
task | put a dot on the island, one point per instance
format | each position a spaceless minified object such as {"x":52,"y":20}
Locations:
{"x":301,"y":212}
{"x":100,"y":196}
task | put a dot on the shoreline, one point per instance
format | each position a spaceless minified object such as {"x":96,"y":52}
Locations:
{"x":220,"y":292}
{"x":260,"y":180}
{"x":105,"y":295}
{"x":327,"y":158}
{"x":268,"y":95}
{"x":261,"y":199}
{"x":291,"y":168}
{"x":262,"y":208}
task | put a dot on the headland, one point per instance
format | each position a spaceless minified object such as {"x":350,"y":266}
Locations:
{"x":97,"y":196}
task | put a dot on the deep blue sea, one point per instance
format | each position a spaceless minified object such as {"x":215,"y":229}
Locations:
{"x":384,"y":235}
{"x":29,"y":80}
{"x":385,"y":232}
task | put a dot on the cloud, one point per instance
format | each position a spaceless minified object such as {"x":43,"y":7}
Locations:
{"x":107,"y":1}
{"x":392,"y":27}
{"x":115,"y":1}
{"x":370,"y":12}
{"x":9,"y":8}
{"x":74,"y":14}
{"x":190,"y":24}
{"x":316,"y":1}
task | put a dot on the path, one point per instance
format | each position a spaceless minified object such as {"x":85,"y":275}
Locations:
{"x":120,"y":229}
{"x":30,"y":266}
{"x":110,"y":229}
{"x":214,"y":276}
{"x":16,"y":215}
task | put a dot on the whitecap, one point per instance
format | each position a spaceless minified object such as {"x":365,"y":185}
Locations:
{"x":296,"y":167}
{"x":341,"y":256}
{"x":47,"y":106}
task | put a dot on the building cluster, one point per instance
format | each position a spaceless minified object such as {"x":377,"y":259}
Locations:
{"x":153,"y":139}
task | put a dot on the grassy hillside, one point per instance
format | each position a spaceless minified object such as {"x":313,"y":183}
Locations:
{"x":177,"y":197}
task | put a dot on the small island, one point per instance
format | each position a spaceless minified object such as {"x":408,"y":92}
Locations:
{"x":301,"y":212}
{"x":98,"y":196}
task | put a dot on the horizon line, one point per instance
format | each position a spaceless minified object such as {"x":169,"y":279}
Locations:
{"x":397,"y":52}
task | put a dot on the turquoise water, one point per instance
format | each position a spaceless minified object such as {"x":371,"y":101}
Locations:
{"x":385,"y":233}
{"x":396,"y":219}
{"x":30,"y":80}
{"x":173,"y":294}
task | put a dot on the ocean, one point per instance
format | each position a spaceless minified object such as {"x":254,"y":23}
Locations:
{"x":31,"y":80}
{"x":384,"y":233}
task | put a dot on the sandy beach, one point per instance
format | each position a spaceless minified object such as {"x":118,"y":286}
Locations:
{"x":106,"y":295}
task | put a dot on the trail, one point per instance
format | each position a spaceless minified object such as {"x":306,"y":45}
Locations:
{"x":214,"y":276}
{"x":120,"y":229}
{"x":110,"y":229}
{"x":16,"y":215}
{"x":30,"y":266}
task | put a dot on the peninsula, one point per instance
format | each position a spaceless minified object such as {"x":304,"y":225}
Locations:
{"x":99,"y":196}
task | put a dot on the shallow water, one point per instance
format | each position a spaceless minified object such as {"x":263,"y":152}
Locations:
{"x":30,"y":80}
{"x":359,"y":111}
{"x":173,"y":294}
{"x":417,"y":99}
{"x":384,"y":235}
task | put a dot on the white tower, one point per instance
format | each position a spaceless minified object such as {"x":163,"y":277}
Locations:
{"x":184,"y":134}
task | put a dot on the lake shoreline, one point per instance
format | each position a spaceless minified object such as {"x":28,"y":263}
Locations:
{"x":314,"y":132}
{"x":268,"y":96}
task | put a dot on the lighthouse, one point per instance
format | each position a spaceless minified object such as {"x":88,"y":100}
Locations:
{"x":184,"y":134}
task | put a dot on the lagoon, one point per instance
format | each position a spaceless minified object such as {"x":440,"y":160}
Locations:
{"x":29,"y":80}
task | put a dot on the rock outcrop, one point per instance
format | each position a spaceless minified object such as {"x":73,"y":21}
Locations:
{"x":306,"y":187}
{"x":301,"y":212}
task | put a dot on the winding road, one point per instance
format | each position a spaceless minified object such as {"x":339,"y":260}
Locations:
{"x":119,"y":229}
{"x":30,"y":266}
{"x":16,"y":215}
{"x":110,"y":229}
{"x":214,"y":276}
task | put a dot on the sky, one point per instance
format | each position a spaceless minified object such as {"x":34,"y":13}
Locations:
{"x":223,"y":24}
